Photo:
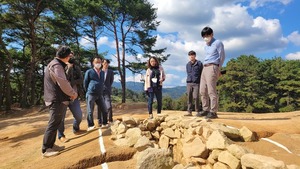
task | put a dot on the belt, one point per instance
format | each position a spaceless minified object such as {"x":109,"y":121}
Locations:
{"x":210,"y":64}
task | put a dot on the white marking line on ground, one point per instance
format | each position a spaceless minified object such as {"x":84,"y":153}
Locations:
{"x":277,"y":144}
{"x":101,"y":143}
{"x":232,"y":127}
{"x":102,"y":148}
{"x":104,"y":166}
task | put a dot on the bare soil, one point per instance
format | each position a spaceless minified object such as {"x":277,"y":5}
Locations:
{"x":21,"y":134}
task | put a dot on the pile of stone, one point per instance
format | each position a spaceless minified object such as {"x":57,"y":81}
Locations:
{"x":172,"y":142}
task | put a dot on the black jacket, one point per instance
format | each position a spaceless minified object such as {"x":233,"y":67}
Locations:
{"x":194,"y":72}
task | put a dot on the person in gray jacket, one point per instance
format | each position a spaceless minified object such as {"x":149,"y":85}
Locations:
{"x":57,"y":94}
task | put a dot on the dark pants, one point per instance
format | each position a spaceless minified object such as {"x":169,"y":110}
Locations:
{"x":77,"y":114}
{"x":56,"y":112}
{"x":107,"y":100}
{"x":158,"y":95}
{"x":102,"y":111}
{"x":193,"y":96}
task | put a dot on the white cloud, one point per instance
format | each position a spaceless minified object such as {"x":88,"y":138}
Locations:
{"x":261,"y":3}
{"x":172,"y":80}
{"x":293,"y":56}
{"x":239,"y":30}
{"x":86,"y":42}
{"x":295,"y":38}
{"x":241,"y":33}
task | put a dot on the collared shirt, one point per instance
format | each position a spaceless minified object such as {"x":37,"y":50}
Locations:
{"x":214,"y":53}
{"x":105,"y":73}
{"x":97,"y":71}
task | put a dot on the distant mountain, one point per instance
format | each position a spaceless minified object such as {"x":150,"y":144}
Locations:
{"x":174,"y":92}
{"x":138,"y":87}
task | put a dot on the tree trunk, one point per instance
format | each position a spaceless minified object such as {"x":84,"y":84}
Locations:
{"x":1,"y":83}
{"x":123,"y":77}
{"x":121,"y":73}
{"x":94,"y":36}
{"x":32,"y":76}
{"x":7,"y":69}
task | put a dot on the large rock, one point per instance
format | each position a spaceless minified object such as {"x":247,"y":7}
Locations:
{"x":129,"y":120}
{"x":195,"y":149}
{"x":256,"y":161}
{"x":247,"y":134}
{"x":219,"y":165}
{"x":133,"y":135}
{"x":213,"y":157}
{"x":227,"y":158}
{"x":154,"y":158}
{"x":169,"y":133}
{"x":232,"y":133}
{"x":164,"y":142}
{"x":237,"y":151}
{"x":217,"y":140}
{"x":143,"y":143}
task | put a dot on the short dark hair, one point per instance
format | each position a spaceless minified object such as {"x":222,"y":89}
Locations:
{"x":206,"y":31}
{"x":191,"y":53}
{"x":96,"y":57}
{"x":63,"y":51}
{"x":107,"y":61}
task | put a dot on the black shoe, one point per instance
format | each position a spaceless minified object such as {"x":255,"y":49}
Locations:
{"x":202,"y":113}
{"x":211,"y":115}
{"x":188,"y":114}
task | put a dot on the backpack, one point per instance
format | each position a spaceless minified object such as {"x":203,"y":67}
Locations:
{"x":154,"y":78}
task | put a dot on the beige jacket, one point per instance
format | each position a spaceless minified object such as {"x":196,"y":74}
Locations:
{"x":148,"y":74}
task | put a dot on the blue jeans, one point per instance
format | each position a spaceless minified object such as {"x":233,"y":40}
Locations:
{"x":77,"y":114}
{"x":56,"y":112}
{"x":102,"y":110}
{"x":158,"y":94}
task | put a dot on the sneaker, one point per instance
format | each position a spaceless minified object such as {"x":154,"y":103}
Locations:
{"x":188,"y":114}
{"x":50,"y":152}
{"x":104,"y":126}
{"x":211,"y":115}
{"x":58,"y":148}
{"x":202,"y":113}
{"x":150,"y":116}
{"x":91,"y":128}
{"x":64,"y":139}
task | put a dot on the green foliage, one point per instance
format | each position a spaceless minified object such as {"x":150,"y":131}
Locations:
{"x":167,"y":103}
{"x":252,"y":85}
{"x":131,"y":96}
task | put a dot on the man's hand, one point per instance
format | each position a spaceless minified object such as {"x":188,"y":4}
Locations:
{"x":74,"y":96}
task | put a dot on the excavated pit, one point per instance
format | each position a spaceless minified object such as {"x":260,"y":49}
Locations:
{"x":110,"y":156}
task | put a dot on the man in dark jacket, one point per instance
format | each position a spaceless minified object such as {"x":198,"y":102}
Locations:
{"x":193,"y":70}
{"x":108,"y":81}
{"x":94,"y":86}
{"x":57,"y":94}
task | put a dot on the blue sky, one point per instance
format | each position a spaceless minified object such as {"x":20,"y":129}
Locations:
{"x":264,"y":28}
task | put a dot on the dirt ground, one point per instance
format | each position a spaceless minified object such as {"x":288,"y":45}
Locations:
{"x":21,"y":134}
